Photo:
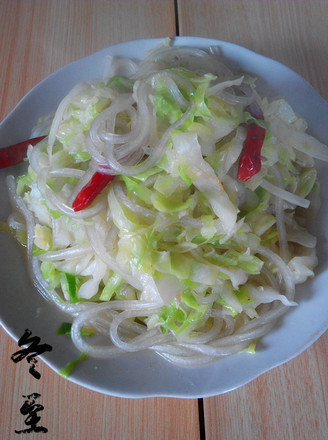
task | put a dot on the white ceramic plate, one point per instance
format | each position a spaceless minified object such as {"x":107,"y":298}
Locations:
{"x":146,"y":374}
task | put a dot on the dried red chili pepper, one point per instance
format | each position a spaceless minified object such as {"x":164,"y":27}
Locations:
{"x":16,"y":153}
{"x":90,"y":191}
{"x":250,"y":159}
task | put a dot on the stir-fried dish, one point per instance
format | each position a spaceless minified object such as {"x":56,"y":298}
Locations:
{"x":166,"y":208}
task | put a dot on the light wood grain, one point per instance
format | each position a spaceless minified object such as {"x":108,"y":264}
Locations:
{"x":73,"y":412}
{"x":291,"y":401}
{"x":37,"y":38}
{"x":292,"y":32}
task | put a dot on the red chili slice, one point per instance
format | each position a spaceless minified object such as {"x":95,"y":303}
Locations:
{"x":16,"y":153}
{"x":90,"y":191}
{"x":250,"y":159}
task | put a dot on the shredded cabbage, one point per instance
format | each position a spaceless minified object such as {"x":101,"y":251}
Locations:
{"x":175,"y":255}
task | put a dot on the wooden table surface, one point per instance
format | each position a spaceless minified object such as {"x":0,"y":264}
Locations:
{"x":40,"y":36}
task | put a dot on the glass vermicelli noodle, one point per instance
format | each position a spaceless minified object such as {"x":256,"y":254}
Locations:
{"x":166,"y":208}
